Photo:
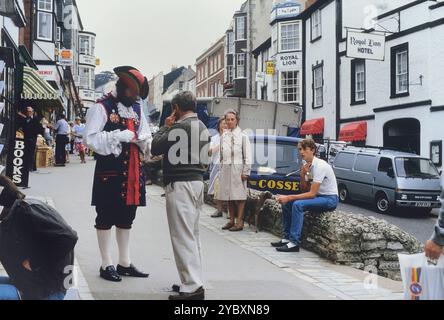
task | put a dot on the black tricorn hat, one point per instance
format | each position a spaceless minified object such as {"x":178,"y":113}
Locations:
{"x":132,"y":77}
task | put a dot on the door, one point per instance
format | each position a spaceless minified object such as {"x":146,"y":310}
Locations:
{"x":404,"y":135}
{"x":382,"y":179}
{"x":363,"y":173}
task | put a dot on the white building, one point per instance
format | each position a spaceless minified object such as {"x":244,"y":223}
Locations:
{"x":400,"y":100}
{"x":283,"y":52}
{"x":87,"y":66}
{"x":324,"y":32}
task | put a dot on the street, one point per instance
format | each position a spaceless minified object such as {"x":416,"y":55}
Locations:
{"x":236,"y":266}
{"x":242,"y":275}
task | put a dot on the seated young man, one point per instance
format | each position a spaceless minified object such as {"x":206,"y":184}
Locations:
{"x":320,"y":193}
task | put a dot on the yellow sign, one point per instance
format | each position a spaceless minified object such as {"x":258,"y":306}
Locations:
{"x":276,"y":185}
{"x":270,"y":68}
{"x":97,"y":62}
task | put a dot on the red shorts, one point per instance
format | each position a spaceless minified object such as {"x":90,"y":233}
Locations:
{"x":80,"y":147}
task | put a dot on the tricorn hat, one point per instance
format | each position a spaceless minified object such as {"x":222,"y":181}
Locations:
{"x":133,"y":79}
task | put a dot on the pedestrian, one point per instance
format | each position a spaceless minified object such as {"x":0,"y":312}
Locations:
{"x":47,"y":132}
{"x":235,"y":170}
{"x":434,"y":247}
{"x":62,"y":139}
{"x":71,"y":138}
{"x":69,"y":145}
{"x":213,"y":189}
{"x":119,"y":134}
{"x":183,"y":177}
{"x":78,"y":139}
{"x":36,"y":248}
{"x":31,"y":129}
{"x":318,"y":182}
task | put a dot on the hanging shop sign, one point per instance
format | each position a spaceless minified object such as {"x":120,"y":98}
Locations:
{"x":362,"y":45}
{"x":260,"y":76}
{"x":66,"y":58}
{"x":18,"y":168}
{"x":270,"y":68}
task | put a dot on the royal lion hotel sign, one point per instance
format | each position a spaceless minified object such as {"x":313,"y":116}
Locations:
{"x":362,"y":45}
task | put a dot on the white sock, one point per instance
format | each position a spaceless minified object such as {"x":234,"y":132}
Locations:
{"x":291,"y":245}
{"x":123,"y":238}
{"x":285,"y":241}
{"x":104,"y":239}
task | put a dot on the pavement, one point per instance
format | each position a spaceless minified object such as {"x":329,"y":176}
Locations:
{"x":237,"y":266}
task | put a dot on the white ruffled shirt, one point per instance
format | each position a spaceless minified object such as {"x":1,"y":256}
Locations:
{"x":106,"y":143}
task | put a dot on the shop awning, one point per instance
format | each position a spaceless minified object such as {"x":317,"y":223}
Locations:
{"x":37,"y":92}
{"x":313,"y":127}
{"x":354,"y":132}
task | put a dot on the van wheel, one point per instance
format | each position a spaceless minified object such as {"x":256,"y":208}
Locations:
{"x":344,"y":195}
{"x":382,"y":203}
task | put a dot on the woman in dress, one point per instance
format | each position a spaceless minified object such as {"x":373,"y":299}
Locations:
{"x":235,"y":170}
{"x":215,"y":167}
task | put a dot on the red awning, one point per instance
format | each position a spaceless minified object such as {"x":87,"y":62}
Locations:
{"x":313,"y":127}
{"x":354,"y":132}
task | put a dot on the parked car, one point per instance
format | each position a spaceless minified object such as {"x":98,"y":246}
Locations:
{"x":387,"y":178}
{"x":281,"y":173}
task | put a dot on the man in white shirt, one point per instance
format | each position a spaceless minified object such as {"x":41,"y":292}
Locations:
{"x":62,"y":130}
{"x":118,"y":132}
{"x":318,"y":182}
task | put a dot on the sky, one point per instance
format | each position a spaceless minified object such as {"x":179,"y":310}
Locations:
{"x":154,"y":35}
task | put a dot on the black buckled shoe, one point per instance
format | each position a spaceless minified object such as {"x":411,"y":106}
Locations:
{"x":110,"y":274}
{"x":199,"y":294}
{"x":131,"y":271}
{"x":278,"y":244}
{"x":286,"y":248}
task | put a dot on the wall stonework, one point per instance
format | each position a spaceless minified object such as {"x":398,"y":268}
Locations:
{"x":358,"y":241}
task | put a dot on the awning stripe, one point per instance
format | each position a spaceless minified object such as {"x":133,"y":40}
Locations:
{"x":38,"y":91}
{"x":35,"y":88}
{"x":313,"y":127}
{"x":354,"y":132}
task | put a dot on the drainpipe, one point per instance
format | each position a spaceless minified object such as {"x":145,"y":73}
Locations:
{"x":249,"y":49}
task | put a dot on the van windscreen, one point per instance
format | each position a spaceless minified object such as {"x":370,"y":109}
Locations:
{"x":416,"y":168}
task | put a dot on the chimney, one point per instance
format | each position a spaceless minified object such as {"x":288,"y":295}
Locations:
{"x":173,"y":68}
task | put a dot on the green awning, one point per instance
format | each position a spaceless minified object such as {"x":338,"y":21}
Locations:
{"x":38,"y":92}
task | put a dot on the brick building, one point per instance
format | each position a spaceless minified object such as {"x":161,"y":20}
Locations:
{"x":210,"y":74}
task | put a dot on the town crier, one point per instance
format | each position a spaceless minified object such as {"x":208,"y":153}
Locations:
{"x":119,"y":134}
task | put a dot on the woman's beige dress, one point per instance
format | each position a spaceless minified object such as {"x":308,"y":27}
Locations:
{"x":235,"y":163}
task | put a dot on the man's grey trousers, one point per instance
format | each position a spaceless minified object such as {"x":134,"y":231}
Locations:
{"x":184,"y":202}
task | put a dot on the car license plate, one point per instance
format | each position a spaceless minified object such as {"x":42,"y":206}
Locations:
{"x":423,"y":204}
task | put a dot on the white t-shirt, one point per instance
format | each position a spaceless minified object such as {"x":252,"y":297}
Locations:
{"x":321,"y":172}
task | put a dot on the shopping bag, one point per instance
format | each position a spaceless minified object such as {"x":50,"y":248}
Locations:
{"x":421,"y":279}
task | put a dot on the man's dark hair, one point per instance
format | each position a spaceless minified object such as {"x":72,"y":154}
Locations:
{"x":62,"y":116}
{"x":186,"y":101}
{"x":8,"y":196}
{"x":308,"y":144}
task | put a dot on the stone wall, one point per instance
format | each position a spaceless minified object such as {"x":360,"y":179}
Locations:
{"x":362,"y":242}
